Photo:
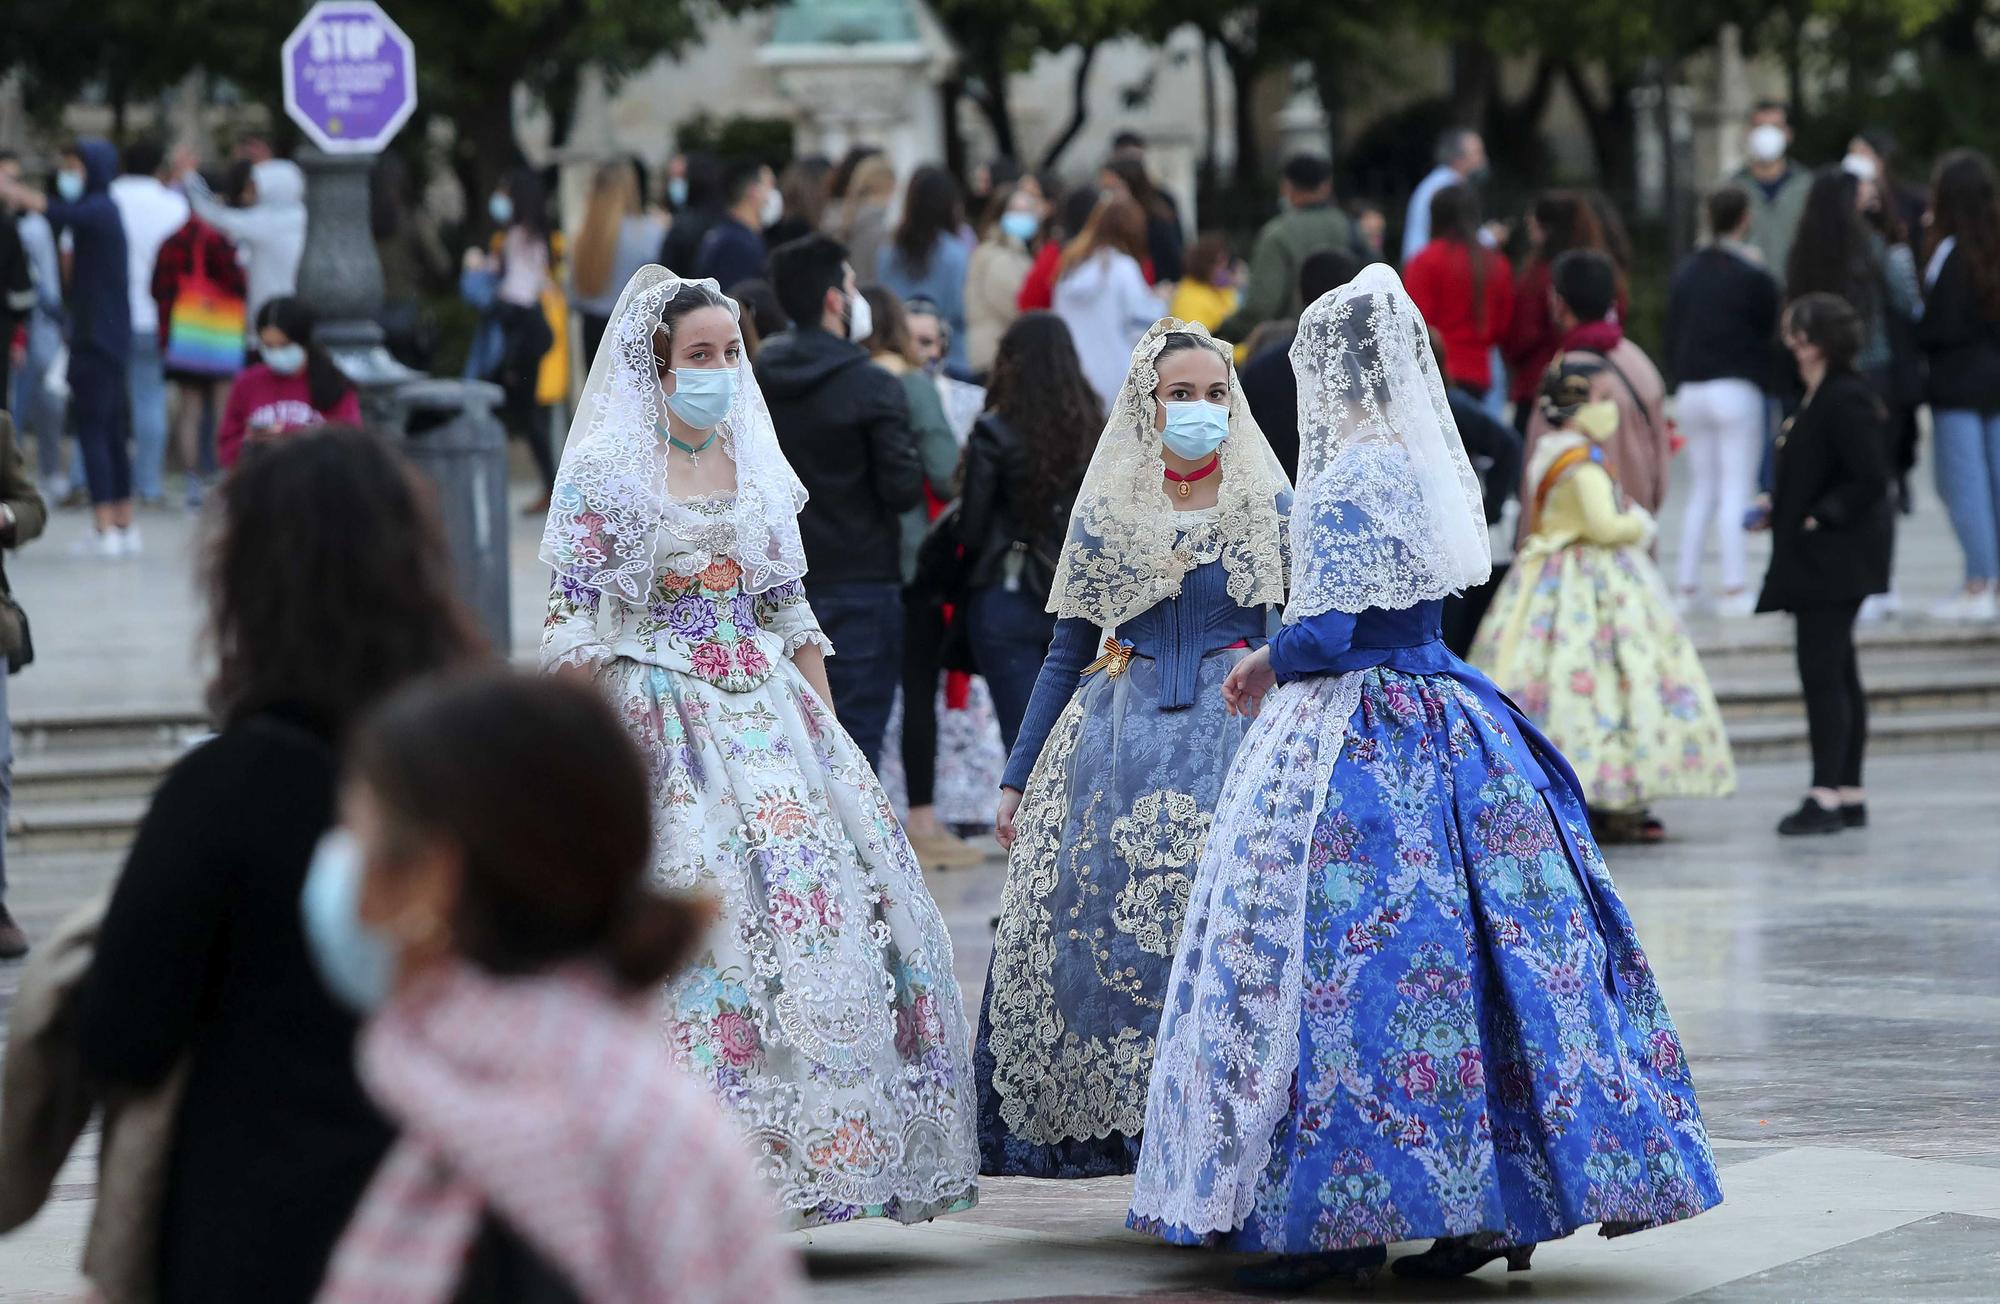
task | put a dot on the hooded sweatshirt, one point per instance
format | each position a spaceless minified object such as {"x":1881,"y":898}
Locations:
{"x":844,"y":425}
{"x":100,"y":302}
{"x":271,"y":233}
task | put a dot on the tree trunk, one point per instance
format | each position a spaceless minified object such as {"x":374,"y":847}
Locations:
{"x":1514,"y":131}
{"x":1475,"y":82}
{"x":1332,"y":92}
{"x":486,"y":149}
{"x":992,"y":100}
{"x":950,"y":92}
{"x":1079,"y":109}
{"x":1609,"y":125}
{"x":560,"y":100}
{"x":1249,"y":146}
{"x":1211,"y":137}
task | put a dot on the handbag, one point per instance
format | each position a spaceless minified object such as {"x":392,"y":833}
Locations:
{"x":14,"y":631}
{"x":206,"y":329}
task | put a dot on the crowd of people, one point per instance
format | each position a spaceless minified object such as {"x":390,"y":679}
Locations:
{"x":1306,"y":924}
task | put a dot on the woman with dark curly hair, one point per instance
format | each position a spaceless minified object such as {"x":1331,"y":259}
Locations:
{"x":1023,"y":462}
{"x":328,"y":588}
{"x":1561,"y":220}
{"x":928,"y":255}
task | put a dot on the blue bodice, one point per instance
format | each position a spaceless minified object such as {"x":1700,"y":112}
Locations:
{"x":1176,"y":633}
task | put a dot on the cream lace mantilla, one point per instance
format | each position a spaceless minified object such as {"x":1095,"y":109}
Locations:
{"x":1128,"y":549}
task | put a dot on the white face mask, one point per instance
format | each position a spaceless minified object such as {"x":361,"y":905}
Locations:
{"x":772,"y":209}
{"x":1767,"y":142}
{"x":1858,"y":166}
{"x":860,"y":319}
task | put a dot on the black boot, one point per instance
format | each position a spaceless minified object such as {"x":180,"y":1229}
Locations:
{"x":13,"y":942}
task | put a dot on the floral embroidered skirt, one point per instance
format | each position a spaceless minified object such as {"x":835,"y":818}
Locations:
{"x":1107,"y":837}
{"x":969,"y":758}
{"x":1480,"y":1045}
{"x":824,"y":1011}
{"x":1586,"y":642}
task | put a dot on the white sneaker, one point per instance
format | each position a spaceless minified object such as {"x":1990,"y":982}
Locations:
{"x":1691,"y":603}
{"x":110,"y":544}
{"x":1735,"y":606}
{"x":1880,"y":606}
{"x":129,"y":542}
{"x":1967,"y":606}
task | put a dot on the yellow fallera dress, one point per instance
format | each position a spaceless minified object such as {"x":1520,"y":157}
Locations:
{"x":1583,"y":638}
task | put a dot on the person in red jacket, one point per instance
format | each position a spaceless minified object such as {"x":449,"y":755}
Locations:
{"x":1561,"y":220}
{"x":295,"y":386}
{"x":198,"y":257}
{"x":1464,"y":290}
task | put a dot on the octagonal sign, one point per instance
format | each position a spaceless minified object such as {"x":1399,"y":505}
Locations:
{"x":350,"y":76}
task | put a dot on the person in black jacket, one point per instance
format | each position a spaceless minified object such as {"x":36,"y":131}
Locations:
{"x":1832,"y":530}
{"x":1722,"y":330}
{"x":1268,"y":384}
{"x":100,"y":334}
{"x":1495,"y":450}
{"x":700,"y":204}
{"x":202,"y":960}
{"x":1023,"y":463}
{"x":844,"y":425}
{"x":1960,"y":334}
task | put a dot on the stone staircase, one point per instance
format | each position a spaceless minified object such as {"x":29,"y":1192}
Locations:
{"x":81,"y":781}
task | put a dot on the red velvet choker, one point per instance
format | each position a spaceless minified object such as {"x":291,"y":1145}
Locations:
{"x":1181,"y":482}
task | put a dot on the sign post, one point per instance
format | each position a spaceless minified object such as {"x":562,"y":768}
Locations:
{"x":350,"y":79}
{"x":350,"y":76}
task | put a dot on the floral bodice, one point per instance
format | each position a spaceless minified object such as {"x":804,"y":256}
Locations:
{"x":703,"y":623}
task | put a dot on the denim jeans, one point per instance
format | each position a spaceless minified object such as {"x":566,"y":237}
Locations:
{"x":146,"y":391}
{"x":1968,"y":479}
{"x":1010,"y":635}
{"x":865,"y":624}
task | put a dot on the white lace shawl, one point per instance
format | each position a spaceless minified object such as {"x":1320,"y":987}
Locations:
{"x":1389,"y":511}
{"x":613,"y":518}
{"x":1128,"y":549}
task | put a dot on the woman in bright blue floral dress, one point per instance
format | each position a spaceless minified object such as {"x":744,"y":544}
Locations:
{"x":823,"y":1011}
{"x":1407,"y":1001}
{"x":1173,"y":568}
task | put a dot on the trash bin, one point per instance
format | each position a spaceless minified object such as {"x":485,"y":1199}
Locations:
{"x":450,"y":432}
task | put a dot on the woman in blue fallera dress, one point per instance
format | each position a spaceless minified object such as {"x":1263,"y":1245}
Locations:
{"x":1407,"y":1002}
{"x":1173,"y":569}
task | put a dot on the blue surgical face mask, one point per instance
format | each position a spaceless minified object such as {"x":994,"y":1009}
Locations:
{"x":501,"y":209}
{"x":1194,"y":430}
{"x":357,"y":966}
{"x":702,"y":395}
{"x":285,"y":359}
{"x":70,"y":186}
{"x":677,"y":191}
{"x":1022,"y":226}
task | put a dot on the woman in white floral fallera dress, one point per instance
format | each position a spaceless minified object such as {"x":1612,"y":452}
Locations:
{"x":824,"y":1012}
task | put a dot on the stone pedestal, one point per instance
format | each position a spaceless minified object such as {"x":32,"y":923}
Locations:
{"x":340,"y":277}
{"x":863,"y":72}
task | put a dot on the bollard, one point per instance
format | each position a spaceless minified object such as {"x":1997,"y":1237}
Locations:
{"x":450,"y":432}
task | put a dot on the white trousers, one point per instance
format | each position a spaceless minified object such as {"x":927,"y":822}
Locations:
{"x":1723,"y":423}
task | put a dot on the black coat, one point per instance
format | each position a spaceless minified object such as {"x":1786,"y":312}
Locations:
{"x":844,"y":425}
{"x":1962,"y":341}
{"x":203,"y":956}
{"x":1722,"y":320}
{"x":996,"y":512}
{"x":1832,"y":466}
{"x":1272,"y":392}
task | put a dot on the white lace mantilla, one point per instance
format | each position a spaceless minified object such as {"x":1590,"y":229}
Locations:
{"x":1389,"y":512}
{"x":613,"y":519}
{"x":1229,"y":1038}
{"x":1128,"y":549}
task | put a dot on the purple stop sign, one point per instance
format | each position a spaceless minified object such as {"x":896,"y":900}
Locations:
{"x":350,"y":76}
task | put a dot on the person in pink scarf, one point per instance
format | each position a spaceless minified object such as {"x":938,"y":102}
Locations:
{"x":485,"y":900}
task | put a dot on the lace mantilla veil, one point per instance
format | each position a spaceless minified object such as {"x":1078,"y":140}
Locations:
{"x":1128,"y":548}
{"x":1388,"y":515}
{"x":613,"y":516}
{"x":1389,"y":511}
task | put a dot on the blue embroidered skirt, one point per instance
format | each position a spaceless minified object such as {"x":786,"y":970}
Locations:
{"x":1481,"y":1045}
